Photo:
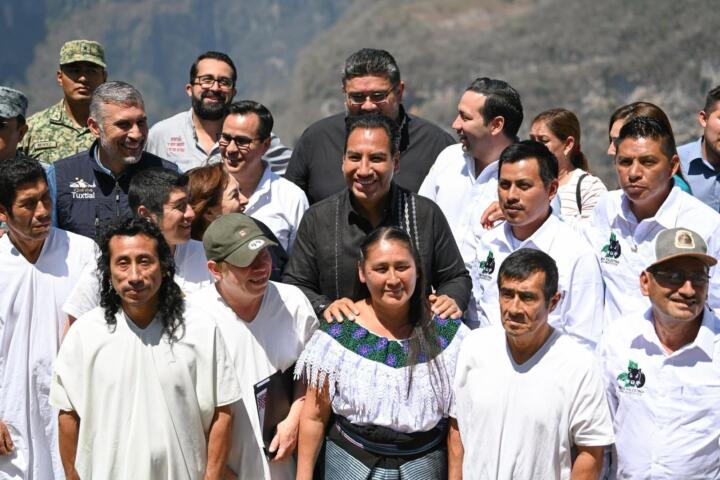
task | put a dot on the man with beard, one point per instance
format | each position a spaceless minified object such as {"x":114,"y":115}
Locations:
{"x":371,"y":84}
{"x":463,"y":179}
{"x":61,"y":130}
{"x":90,"y":188}
{"x":190,"y":138}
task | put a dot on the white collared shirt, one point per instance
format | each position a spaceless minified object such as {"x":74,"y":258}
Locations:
{"x":279,"y":204}
{"x":665,"y":407}
{"x":458,"y":190}
{"x":579,"y":311}
{"x":625,"y":247}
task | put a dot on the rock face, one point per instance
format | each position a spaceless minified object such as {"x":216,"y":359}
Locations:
{"x":588,"y":56}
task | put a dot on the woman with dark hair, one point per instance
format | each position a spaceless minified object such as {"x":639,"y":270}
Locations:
{"x":213,"y":192}
{"x":640,"y":109}
{"x":579,"y":191}
{"x":386,"y":377}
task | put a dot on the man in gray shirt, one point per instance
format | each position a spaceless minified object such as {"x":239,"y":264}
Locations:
{"x":190,"y":138}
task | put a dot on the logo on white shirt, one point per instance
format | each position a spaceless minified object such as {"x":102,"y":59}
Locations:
{"x":633,"y":380}
{"x":486,"y":267}
{"x":611,"y":251}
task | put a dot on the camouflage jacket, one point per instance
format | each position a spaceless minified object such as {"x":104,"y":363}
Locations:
{"x":52,"y":135}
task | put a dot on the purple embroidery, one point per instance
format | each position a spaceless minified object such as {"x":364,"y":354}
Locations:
{"x":443,"y":342}
{"x":335,"y":330}
{"x":391,"y":360}
{"x":441,"y":321}
{"x":359,"y":333}
{"x":364,"y":350}
{"x":381,"y":344}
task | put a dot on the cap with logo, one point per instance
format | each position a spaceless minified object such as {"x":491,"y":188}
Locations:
{"x":12,"y":103}
{"x":234,"y":238}
{"x":82,"y":51}
{"x":681,"y":242}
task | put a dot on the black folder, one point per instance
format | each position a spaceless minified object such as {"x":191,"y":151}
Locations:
{"x":273,"y":397}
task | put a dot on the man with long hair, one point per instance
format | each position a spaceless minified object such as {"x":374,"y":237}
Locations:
{"x":144,"y":390}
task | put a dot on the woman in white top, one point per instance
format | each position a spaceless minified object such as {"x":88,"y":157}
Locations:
{"x":386,"y":376}
{"x":579,"y":192}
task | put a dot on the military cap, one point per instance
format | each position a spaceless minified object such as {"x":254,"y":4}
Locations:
{"x":234,"y":238}
{"x":82,"y":51}
{"x":12,"y":103}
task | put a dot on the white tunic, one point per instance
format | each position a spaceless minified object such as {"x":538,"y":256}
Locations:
{"x":625,"y":247}
{"x":191,"y":274}
{"x":31,"y":322}
{"x":279,"y":204}
{"x":271,"y":342}
{"x":579,"y":312}
{"x":521,"y":421}
{"x":670,"y":401}
{"x":145,"y":405}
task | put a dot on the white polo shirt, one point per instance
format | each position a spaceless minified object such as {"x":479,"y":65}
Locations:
{"x":579,"y":312}
{"x":625,"y":247}
{"x":175,"y":139}
{"x":665,"y":408}
{"x":453,"y":184}
{"x":279,"y":204}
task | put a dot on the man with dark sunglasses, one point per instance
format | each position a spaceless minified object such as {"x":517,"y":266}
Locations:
{"x":661,"y":368}
{"x":190,"y":138}
{"x":371,"y":84}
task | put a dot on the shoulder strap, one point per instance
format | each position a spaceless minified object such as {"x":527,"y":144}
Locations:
{"x":578,"y":197}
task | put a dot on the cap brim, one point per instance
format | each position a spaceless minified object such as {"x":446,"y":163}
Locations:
{"x":706,"y":259}
{"x":243,"y":256}
{"x":84,"y":59}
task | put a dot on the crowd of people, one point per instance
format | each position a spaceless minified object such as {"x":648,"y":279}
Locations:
{"x":195,"y":300}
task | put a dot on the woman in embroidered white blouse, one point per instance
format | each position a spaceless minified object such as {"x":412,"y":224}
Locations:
{"x":384,"y":380}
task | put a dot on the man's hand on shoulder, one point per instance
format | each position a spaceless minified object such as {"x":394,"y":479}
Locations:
{"x":342,"y":307}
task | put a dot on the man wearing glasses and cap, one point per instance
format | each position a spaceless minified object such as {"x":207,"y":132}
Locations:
{"x":371,"y":84}
{"x":61,"y":130}
{"x":13,"y":105}
{"x":662,"y":369}
{"x":265,"y":326}
{"x":190,"y":138}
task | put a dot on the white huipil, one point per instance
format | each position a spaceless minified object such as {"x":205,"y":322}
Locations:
{"x":31,"y":321}
{"x":145,"y":404}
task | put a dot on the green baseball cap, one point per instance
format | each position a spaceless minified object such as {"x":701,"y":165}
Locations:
{"x":234,"y":238}
{"x":681,"y":242}
{"x":82,"y":51}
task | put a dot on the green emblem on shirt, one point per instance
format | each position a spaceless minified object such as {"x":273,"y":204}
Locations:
{"x":633,"y":378}
{"x":487,"y":266}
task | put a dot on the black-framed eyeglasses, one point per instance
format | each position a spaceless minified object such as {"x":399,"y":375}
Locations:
{"x":207,"y":81}
{"x":358,"y":98}
{"x":677,"y":278}
{"x":240,"y":141}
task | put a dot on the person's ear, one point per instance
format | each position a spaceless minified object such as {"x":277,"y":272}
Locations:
{"x":496,"y":125}
{"x":94,"y":126}
{"x":675,"y":164}
{"x":702,"y":118}
{"x":143,"y":212}
{"x":214,"y":269}
{"x":554,"y":301}
{"x":58,"y":76}
{"x":399,"y":91}
{"x":361,"y":273}
{"x":23,"y":131}
{"x":645,"y":283}
{"x":3,"y":214}
{"x":568,"y":145}
{"x":396,"y":162}
{"x":553,"y":189}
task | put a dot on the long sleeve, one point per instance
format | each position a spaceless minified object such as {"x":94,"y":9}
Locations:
{"x":302,"y":269}
{"x":449,"y":276}
{"x":297,"y":168}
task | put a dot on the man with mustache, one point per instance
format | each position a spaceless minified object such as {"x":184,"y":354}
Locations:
{"x":62,"y":130}
{"x":625,"y":223}
{"x":527,"y":183}
{"x":90,"y":188}
{"x":371,"y":84}
{"x":190,"y":138}
{"x":39,"y":265}
{"x":160,"y":195}
{"x":661,"y":368}
{"x":529,"y":400}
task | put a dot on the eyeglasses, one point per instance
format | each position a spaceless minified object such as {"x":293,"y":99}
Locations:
{"x":207,"y":81}
{"x":678,"y":278}
{"x":358,"y":98}
{"x":240,"y":142}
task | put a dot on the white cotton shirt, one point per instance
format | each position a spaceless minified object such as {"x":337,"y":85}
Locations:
{"x":672,"y":402}
{"x":191,"y":274}
{"x":272,"y":341}
{"x":31,"y":323}
{"x":145,"y":405}
{"x":521,"y":421}
{"x":591,"y":190}
{"x":626,"y":247}
{"x":454,"y":185}
{"x":579,"y":311}
{"x":279,"y":204}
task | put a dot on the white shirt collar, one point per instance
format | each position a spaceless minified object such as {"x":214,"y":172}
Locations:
{"x":666,"y":215}
{"x":541,"y":239}
{"x":704,"y":341}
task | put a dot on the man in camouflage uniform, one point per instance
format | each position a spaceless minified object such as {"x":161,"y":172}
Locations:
{"x":61,"y":130}
{"x":13,"y":105}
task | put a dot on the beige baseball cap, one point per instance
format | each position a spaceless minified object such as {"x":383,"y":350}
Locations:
{"x":681,"y":242}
